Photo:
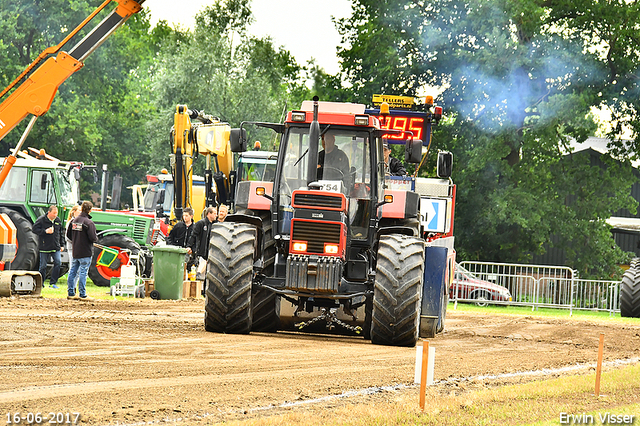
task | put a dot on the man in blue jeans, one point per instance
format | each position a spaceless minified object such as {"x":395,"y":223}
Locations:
{"x":82,"y":234}
{"x":51,"y":242}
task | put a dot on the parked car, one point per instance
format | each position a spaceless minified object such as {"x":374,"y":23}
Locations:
{"x":468,"y":286}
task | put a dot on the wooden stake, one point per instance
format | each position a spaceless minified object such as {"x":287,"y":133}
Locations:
{"x":423,"y":373}
{"x":599,"y":368}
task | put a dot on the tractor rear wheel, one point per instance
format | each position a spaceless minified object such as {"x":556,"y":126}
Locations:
{"x":101,"y":275}
{"x":266,"y":311}
{"x":397,"y":291}
{"x":229,"y":273}
{"x":630,"y":292}
{"x":27,"y":257}
{"x":266,"y":304}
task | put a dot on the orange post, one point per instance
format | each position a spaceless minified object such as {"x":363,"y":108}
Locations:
{"x":423,"y":372}
{"x":599,"y":368}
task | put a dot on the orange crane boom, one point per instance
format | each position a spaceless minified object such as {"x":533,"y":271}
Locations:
{"x":35,"y":95}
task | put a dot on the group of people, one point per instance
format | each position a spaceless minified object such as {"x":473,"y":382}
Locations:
{"x":77,"y":238}
{"x":195,"y":236}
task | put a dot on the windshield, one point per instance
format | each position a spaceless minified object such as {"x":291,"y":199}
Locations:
{"x":68,"y":187}
{"x":344,"y":165}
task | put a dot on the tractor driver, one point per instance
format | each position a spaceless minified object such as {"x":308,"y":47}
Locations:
{"x":333,"y":163}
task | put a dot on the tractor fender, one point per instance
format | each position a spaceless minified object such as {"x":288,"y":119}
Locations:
{"x":112,"y":231}
{"x":402,"y":230}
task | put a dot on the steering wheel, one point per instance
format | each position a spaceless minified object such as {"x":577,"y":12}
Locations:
{"x":327,"y":168}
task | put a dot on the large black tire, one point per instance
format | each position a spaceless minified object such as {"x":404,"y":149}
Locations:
{"x":27,"y":255}
{"x":630,"y":292}
{"x":397,"y":291}
{"x":229,"y":274}
{"x":101,"y":275}
{"x":266,"y":311}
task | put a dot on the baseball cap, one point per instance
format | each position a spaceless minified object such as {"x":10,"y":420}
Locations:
{"x":385,"y":145}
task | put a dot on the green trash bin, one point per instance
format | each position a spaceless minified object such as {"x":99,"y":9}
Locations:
{"x":168,"y":271}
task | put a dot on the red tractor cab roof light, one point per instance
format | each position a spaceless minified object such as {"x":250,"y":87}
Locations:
{"x":298,"y":116}
{"x":361,"y":120}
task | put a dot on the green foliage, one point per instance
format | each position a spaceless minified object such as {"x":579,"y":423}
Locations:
{"x":518,"y":80}
{"x":222,"y":71}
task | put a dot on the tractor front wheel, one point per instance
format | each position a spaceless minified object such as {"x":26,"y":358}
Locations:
{"x":27,"y":258}
{"x":397,"y":291}
{"x":229,"y":272}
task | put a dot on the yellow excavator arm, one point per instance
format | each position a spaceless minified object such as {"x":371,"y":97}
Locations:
{"x":210,"y":137}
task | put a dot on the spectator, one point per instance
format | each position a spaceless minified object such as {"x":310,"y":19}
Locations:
{"x":199,"y":241}
{"x":223,"y":210}
{"x":73,"y":213}
{"x":48,"y":228}
{"x":392,"y":166}
{"x":82,"y":234}
{"x":180,"y":233}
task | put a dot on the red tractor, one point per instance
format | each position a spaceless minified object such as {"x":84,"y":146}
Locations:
{"x":333,"y":243}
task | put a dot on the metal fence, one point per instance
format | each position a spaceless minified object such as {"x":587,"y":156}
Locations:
{"x":532,"y":285}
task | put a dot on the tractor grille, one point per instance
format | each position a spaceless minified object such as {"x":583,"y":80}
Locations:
{"x":316,"y":234}
{"x":307,"y":199}
{"x":139,"y":230}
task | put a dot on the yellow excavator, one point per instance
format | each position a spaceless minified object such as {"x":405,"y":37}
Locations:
{"x":34,"y":91}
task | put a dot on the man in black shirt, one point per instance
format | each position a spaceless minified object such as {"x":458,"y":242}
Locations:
{"x":180,"y":233}
{"x":333,"y":163}
{"x":51,"y":240}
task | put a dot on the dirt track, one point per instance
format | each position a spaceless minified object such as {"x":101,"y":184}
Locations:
{"x":144,"y":360}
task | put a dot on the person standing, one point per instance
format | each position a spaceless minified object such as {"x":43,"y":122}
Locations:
{"x":198,"y":246}
{"x":48,"y":228}
{"x":73,"y":213}
{"x":181,"y":232}
{"x":82,"y":234}
{"x":198,"y":243}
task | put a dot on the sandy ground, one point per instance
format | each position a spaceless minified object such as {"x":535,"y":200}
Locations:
{"x":138,"y":361}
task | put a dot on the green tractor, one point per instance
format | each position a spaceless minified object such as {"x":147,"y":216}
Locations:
{"x":38,"y":181}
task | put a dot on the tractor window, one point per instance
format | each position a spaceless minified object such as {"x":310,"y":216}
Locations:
{"x":68,"y":188}
{"x":15,"y":186}
{"x":354,"y":179}
{"x":42,"y":188}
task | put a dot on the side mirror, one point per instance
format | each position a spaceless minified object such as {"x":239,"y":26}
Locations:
{"x":413,"y":151}
{"x":445,"y":164}
{"x":238,"y":140}
{"x":43,"y":182}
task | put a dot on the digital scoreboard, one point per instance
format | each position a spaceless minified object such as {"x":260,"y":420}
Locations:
{"x":416,"y":122}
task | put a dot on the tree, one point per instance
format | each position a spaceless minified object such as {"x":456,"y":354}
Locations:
{"x":226,"y":73}
{"x":518,"y":81}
